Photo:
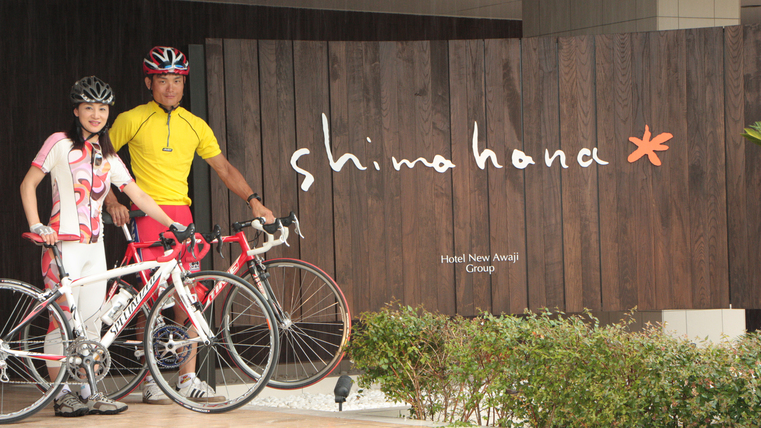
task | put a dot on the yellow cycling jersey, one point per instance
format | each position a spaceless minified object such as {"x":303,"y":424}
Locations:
{"x":161,"y":147}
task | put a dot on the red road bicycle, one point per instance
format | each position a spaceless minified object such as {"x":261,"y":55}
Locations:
{"x":311,"y":311}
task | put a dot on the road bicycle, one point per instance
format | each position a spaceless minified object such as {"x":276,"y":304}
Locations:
{"x":312,"y":314}
{"x":230,"y":333}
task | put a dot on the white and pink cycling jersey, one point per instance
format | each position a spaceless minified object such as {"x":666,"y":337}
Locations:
{"x":81,"y":180}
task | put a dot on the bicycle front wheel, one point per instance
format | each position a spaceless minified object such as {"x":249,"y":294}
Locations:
{"x":314,"y":321}
{"x":29,"y":383}
{"x":233,"y":368}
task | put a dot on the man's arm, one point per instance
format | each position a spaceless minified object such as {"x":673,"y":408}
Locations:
{"x":235,"y":181}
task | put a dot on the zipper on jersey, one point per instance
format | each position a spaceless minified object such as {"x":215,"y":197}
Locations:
{"x":168,"y":132}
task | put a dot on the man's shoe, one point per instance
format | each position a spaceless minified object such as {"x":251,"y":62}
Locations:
{"x":200,"y":392}
{"x":99,"y":404}
{"x":152,"y":394}
{"x":68,"y":405}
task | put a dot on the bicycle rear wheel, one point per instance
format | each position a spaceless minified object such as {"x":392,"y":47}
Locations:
{"x":314,"y":321}
{"x":240,"y":358}
{"x":29,"y":385}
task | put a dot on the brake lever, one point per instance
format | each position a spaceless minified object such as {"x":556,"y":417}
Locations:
{"x":296,"y":222}
{"x":280,"y":228}
{"x":217,"y":233}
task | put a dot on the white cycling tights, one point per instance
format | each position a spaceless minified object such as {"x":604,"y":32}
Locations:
{"x":79,"y":260}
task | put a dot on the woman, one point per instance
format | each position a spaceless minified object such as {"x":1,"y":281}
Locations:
{"x":82,"y":165}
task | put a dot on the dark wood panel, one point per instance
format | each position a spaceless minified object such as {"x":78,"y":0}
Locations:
{"x":311,"y":95}
{"x":637,"y":176}
{"x":388,"y":184}
{"x":544,"y":232}
{"x":581,"y":233}
{"x":613,"y":76}
{"x":752,"y":157}
{"x":469,"y":182}
{"x":243,"y":125}
{"x":734,"y":117}
{"x":707,"y":169}
{"x":421,"y":114}
{"x":504,"y":133}
{"x":349,"y":116}
{"x":670,"y":227}
{"x":215,"y":98}
{"x":278,"y":132}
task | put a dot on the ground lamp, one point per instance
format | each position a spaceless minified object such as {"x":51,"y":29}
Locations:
{"x":342,"y":389}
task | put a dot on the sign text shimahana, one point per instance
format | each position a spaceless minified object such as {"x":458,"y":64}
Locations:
{"x":439,"y":163}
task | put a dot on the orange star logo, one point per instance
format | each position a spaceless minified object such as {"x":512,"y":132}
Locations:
{"x":648,"y":147}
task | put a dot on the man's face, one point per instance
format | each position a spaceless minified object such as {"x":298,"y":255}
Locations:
{"x":167,"y":88}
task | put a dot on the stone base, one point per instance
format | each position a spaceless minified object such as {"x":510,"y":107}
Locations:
{"x":712,"y":325}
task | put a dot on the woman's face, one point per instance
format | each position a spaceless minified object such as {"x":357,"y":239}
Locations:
{"x":92,"y":116}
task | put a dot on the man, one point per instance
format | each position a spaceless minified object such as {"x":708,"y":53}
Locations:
{"x":163,"y":138}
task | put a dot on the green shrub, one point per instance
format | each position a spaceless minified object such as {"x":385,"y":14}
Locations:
{"x":549,"y":370}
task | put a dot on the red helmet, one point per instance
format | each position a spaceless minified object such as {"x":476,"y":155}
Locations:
{"x":165,"y":60}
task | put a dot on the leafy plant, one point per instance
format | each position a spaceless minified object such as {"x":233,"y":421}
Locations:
{"x":753,"y":133}
{"x":552,"y":370}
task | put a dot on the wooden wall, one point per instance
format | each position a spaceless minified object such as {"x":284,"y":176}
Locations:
{"x":610,"y":236}
{"x":49,"y":44}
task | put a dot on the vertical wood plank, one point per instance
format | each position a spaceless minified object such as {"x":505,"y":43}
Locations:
{"x":388,"y":199}
{"x":215,"y":83}
{"x":613,"y":77}
{"x":348,"y":126}
{"x":311,"y":95}
{"x":669,"y":182}
{"x":422,"y":109}
{"x":637,"y":177}
{"x":751,"y":47}
{"x":243,"y":125}
{"x":581,"y":235}
{"x":469,"y":182}
{"x":707,"y":169}
{"x":737,"y":199}
{"x":504,"y":133}
{"x":278,"y":117}
{"x":544,"y":233}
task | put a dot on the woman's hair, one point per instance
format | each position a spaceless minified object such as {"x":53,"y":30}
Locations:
{"x":75,"y":135}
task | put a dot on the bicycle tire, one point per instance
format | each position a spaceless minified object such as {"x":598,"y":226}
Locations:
{"x":128,"y":368}
{"x":29,"y":387}
{"x":317,"y":322}
{"x":237,"y":372}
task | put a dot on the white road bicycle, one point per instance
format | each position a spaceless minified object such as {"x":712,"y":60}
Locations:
{"x":231,"y":334}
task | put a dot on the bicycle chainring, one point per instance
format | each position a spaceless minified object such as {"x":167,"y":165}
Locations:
{"x":168,"y":352}
{"x":82,"y":353}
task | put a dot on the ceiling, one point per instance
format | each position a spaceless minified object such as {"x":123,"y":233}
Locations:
{"x":489,"y":9}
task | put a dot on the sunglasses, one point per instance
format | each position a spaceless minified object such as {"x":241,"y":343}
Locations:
{"x":97,"y":158}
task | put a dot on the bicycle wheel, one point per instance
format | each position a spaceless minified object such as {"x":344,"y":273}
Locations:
{"x":128,"y":366}
{"x":28,"y":384}
{"x":236,"y":365}
{"x":314,"y":322}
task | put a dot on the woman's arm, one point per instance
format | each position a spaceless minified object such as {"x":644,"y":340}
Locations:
{"x":147,"y":204}
{"x":29,"y":200}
